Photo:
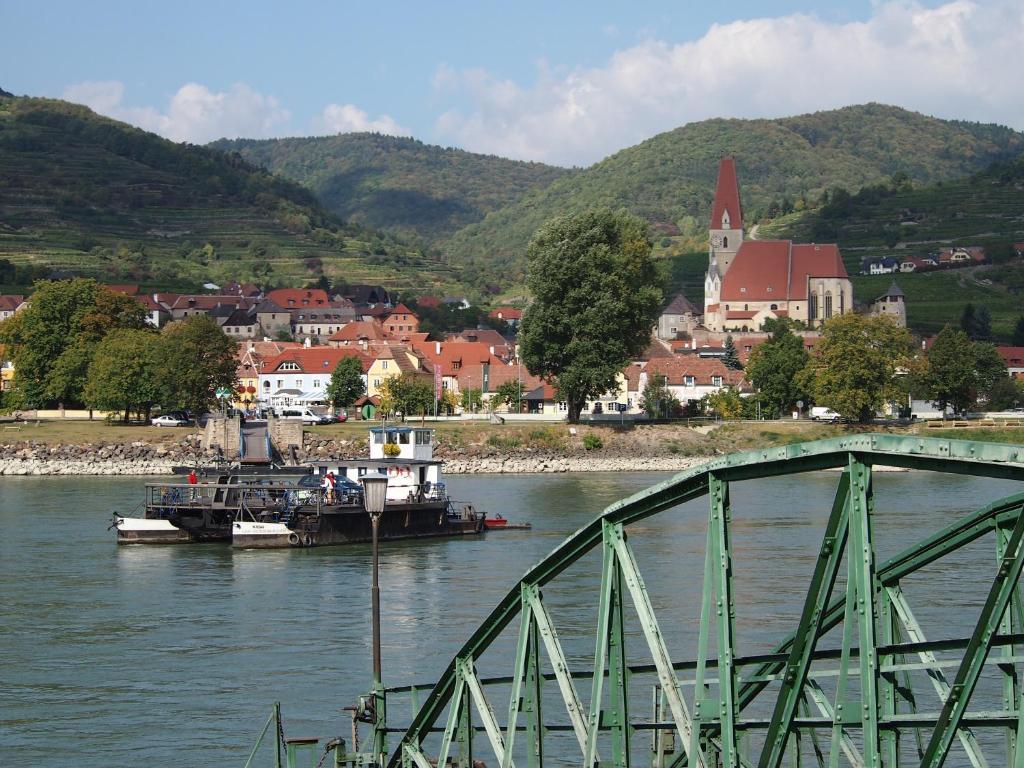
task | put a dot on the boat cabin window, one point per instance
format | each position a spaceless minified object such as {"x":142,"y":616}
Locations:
{"x":378,"y":438}
{"x":422,"y":437}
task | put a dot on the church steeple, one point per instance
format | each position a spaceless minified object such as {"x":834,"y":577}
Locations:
{"x":726,"y":231}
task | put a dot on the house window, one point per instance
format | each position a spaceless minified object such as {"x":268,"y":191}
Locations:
{"x":280,"y":383}
{"x":716,"y":381}
{"x":384,"y":364}
{"x":689,"y":381}
{"x":376,"y":382}
{"x":266,"y":385}
{"x":298,"y":383}
{"x":563,"y":407}
{"x":812,"y":307}
{"x":316,"y":383}
{"x":774,"y":307}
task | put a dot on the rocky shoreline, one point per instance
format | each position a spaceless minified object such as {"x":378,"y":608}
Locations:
{"x":140,"y":458}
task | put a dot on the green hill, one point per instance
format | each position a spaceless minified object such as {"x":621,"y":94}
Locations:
{"x":398,"y":185}
{"x":903,"y":219}
{"x":670,"y":178}
{"x":86,"y":193}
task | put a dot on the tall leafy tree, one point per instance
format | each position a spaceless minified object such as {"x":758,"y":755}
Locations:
{"x":657,"y":400}
{"x":731,"y":359}
{"x":510,"y":393}
{"x":949,"y":378}
{"x":774,"y":367}
{"x":346,"y":383}
{"x":855,"y":364}
{"x":195,"y":357}
{"x":123,"y":372}
{"x":982,"y":330}
{"x":596,"y":297}
{"x":409,"y":393}
{"x":52,"y":341}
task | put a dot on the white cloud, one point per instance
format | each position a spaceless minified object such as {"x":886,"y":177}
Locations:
{"x":956,"y":60}
{"x":194,"y":113}
{"x":348,"y":118}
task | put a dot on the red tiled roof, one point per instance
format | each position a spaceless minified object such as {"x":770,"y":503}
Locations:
{"x":299,"y":297}
{"x":456,"y":355}
{"x":128,"y":289}
{"x":205,"y":302}
{"x":1012,"y":356}
{"x":506,"y":313}
{"x":431,"y":302}
{"x":315,"y":359}
{"x":701,"y":368}
{"x":401,"y":309}
{"x":11,"y":301}
{"x":360,"y":330}
{"x":777,"y":270}
{"x":727,"y":196}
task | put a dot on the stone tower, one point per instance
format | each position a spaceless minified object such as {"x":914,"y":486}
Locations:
{"x":892,"y":304}
{"x":726,"y":231}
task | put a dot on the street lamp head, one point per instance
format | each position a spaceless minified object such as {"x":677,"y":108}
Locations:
{"x":375,"y":491}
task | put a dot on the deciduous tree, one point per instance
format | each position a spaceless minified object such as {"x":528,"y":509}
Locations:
{"x":52,"y":341}
{"x":596,"y":297}
{"x":409,"y":393}
{"x":774,"y":367}
{"x":123,"y":372}
{"x":195,"y":358}
{"x":510,"y":393}
{"x":855,"y":364}
{"x":346,"y":383}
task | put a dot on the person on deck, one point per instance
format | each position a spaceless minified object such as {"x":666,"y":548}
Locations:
{"x":193,"y":479}
{"x":328,"y":486}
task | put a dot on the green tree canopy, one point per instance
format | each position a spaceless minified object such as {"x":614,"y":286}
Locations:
{"x":596,"y":297}
{"x":409,"y":393}
{"x":194,"y":359}
{"x":657,"y":401}
{"x":960,"y":370}
{"x":510,"y":393}
{"x":1018,"y":332}
{"x":774,"y":368}
{"x":346,"y":383}
{"x":854,"y":368}
{"x":471,"y":400}
{"x":731,"y":359}
{"x":52,"y":340}
{"x":123,"y":372}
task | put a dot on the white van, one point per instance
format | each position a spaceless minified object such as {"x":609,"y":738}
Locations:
{"x":823,"y":413}
{"x":305,"y":414}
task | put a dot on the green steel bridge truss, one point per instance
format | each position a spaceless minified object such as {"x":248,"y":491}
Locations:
{"x":856,"y":682}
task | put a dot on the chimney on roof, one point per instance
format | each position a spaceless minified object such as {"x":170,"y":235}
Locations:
{"x":492,"y":349}
{"x":252,"y":346}
{"x":437,"y":347}
{"x":307,"y":344}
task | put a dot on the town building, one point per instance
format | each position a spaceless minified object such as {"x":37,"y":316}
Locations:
{"x":1014,"y":359}
{"x":893,"y":303}
{"x":301,"y":375}
{"x":750,"y":281}
{"x":509,"y":315}
{"x":678,"y":319}
{"x":401,"y":320}
{"x":11,"y":303}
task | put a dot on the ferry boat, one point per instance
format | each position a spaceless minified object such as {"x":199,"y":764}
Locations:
{"x":180,"y":512}
{"x":295,"y":507}
{"x":328,"y":505}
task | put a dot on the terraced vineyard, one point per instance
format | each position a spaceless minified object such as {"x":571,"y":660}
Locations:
{"x":84,"y":193}
{"x":900,"y":220}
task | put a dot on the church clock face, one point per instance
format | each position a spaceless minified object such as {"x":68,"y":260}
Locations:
{"x":716,"y":240}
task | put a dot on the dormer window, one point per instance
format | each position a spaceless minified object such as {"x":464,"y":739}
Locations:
{"x":288,"y":367}
{"x":725,"y":219}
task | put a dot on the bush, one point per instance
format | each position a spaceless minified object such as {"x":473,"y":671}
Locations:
{"x":504,"y":442}
{"x":592,"y":442}
{"x":548,"y":438}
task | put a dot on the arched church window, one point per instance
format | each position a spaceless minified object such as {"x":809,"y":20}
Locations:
{"x":812,"y":307}
{"x":725,"y":241}
{"x":828,"y":304}
{"x":774,"y":307}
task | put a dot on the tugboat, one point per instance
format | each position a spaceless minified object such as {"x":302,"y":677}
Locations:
{"x":326,"y":507}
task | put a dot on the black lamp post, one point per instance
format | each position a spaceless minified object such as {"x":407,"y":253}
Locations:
{"x":375,"y":490}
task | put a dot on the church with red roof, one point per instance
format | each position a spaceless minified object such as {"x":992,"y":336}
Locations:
{"x":750,"y":281}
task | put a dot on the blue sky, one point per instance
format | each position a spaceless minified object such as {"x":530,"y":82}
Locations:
{"x":566,"y":83}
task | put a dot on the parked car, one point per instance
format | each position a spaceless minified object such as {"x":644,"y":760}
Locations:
{"x":305,"y":414}
{"x":170,"y":420}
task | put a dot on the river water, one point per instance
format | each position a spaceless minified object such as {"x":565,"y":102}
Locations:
{"x":157,"y":656}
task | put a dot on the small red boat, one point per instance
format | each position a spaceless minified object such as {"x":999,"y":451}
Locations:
{"x":499,"y":523}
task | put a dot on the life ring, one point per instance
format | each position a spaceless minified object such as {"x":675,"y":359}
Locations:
{"x":307,"y":540}
{"x":406,"y":472}
{"x":392,"y":471}
{"x":293,"y":539}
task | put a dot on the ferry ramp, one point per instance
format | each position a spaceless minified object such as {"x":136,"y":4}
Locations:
{"x":254,"y":446}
